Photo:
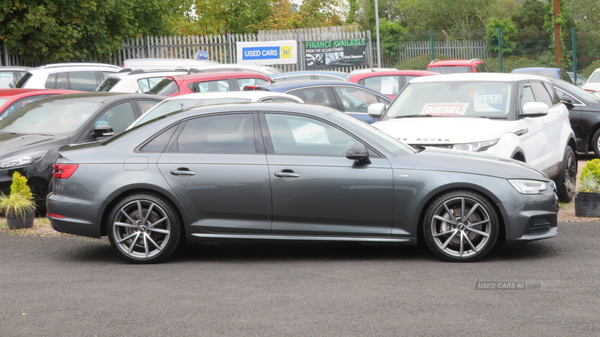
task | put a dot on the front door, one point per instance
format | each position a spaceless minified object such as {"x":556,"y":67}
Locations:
{"x":316,"y":190}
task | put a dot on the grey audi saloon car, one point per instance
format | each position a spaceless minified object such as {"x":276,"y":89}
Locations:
{"x":284,"y":171}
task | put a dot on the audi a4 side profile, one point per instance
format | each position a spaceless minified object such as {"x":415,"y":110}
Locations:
{"x":291,"y":172}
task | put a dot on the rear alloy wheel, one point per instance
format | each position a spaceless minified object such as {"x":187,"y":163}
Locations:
{"x":566,"y":180}
{"x":460,"y":226}
{"x":143,"y":229}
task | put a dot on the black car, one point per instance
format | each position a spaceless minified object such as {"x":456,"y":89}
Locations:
{"x":584,"y":114}
{"x":30,"y":137}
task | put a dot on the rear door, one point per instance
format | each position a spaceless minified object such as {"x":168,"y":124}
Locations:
{"x":218,"y":169}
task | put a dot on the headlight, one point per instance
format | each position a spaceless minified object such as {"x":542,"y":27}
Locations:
{"x":22,"y":160}
{"x":529,"y":186}
{"x":475,"y":147}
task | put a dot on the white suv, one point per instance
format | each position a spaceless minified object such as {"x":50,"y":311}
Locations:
{"x":74,"y":76}
{"x":136,"y":81}
{"x":516,"y":116}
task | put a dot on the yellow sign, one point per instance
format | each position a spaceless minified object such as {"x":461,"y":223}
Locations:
{"x":286,"y":52}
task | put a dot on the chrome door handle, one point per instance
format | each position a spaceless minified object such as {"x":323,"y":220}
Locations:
{"x":183,"y":171}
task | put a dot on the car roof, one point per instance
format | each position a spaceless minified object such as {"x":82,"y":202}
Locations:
{"x":218,"y":74}
{"x":32,"y":92}
{"x":290,"y":85}
{"x":150,"y":73}
{"x":535,"y":68}
{"x":361,"y":75}
{"x":101,"y":97}
{"x":75,"y":64}
{"x":458,"y":62}
{"x":15,"y":68}
{"x":483,"y":77}
{"x":254,"y":94}
{"x":312,"y":72}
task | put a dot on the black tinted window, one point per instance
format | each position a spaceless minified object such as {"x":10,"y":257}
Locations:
{"x":83,"y":80}
{"x":224,"y":134}
{"x":159,"y":143}
{"x":165,"y":87}
{"x":553,"y":93}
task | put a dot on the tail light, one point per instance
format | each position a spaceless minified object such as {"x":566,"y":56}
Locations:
{"x":64,"y":171}
{"x":590,"y":90}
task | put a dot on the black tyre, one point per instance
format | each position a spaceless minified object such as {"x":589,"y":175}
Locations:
{"x":460,"y":226}
{"x":596,"y":143}
{"x":566,"y":180}
{"x":143,"y":228}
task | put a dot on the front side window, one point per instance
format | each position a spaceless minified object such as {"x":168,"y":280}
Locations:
{"x":222,"y":134}
{"x":296,"y":135}
{"x":454,"y":99}
{"x":119,"y":117}
{"x":541,"y":94}
{"x":319,"y":96}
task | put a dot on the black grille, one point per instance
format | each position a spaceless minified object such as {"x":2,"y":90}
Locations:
{"x":540,"y":225}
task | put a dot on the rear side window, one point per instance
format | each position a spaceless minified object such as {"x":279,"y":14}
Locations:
{"x":83,"y":80}
{"x":165,"y":87}
{"x":159,"y":143}
{"x":243,"y":82}
{"x":23,"y":80}
{"x":219,"y":85}
{"x":224,"y":134}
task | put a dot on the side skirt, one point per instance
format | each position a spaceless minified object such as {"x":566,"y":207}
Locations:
{"x":300,"y":238}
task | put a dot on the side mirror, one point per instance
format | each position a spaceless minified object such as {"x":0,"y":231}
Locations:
{"x":102,"y":131}
{"x":535,"y":109}
{"x":375,"y":110}
{"x":566,"y":100}
{"x":358,"y":152}
{"x":579,"y":82}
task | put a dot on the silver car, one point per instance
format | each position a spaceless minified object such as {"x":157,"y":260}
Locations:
{"x":286,"y":171}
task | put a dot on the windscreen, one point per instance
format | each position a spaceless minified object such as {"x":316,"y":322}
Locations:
{"x":165,"y":87}
{"x":453,"y":99}
{"x":108,"y":84}
{"x":50,"y":117}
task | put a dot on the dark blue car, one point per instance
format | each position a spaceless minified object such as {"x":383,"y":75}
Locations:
{"x":351,"y":98}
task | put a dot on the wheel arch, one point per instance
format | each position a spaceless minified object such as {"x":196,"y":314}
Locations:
{"x":123,"y":192}
{"x":485,"y":193}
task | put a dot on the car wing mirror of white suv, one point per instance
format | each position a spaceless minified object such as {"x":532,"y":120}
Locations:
{"x":535,"y":109}
{"x":375,"y":110}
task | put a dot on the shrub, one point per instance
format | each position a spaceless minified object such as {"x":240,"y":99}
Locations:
{"x":587,"y":72}
{"x":418,"y":63}
{"x":589,"y":180}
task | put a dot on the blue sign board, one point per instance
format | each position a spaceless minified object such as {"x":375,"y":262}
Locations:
{"x":260,"y":53}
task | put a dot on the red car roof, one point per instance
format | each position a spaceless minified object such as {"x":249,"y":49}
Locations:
{"x":33,"y":92}
{"x":454,"y":63}
{"x":183,"y":80}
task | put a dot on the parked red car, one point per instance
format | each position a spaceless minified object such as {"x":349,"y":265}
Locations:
{"x":208,"y":81}
{"x":386,"y":81}
{"x":458,"y":66}
{"x":14,"y":99}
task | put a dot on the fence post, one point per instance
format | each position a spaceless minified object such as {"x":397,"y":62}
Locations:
{"x":432,"y":45}
{"x":300,"y":41}
{"x":229,"y":44}
{"x":574,"y":49}
{"x":500,"y":48}
{"x":5,"y":54}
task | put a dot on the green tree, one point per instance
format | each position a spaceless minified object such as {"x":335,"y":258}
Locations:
{"x":65,"y":30}
{"x":392,"y":36}
{"x":491,"y":36}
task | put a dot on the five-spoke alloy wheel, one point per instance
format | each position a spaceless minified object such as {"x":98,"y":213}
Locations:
{"x":460,"y":226}
{"x":143,"y":228}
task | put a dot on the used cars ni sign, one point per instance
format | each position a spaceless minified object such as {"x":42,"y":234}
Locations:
{"x":286,"y":171}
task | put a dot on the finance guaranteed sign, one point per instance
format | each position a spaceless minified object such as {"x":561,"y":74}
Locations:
{"x":267,"y":53}
{"x":335,"y":53}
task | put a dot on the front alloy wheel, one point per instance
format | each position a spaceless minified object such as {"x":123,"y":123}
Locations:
{"x":460,"y":226}
{"x":143,"y":229}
